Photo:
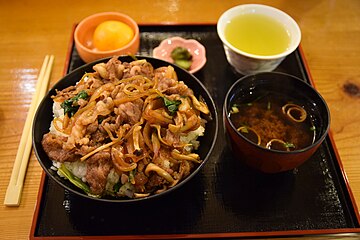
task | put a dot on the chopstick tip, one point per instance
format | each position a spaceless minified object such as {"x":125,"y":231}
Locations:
{"x":12,"y":196}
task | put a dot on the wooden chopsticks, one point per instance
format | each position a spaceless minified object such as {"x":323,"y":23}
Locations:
{"x":13,"y":192}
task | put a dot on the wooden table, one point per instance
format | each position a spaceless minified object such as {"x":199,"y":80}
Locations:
{"x":31,"y":29}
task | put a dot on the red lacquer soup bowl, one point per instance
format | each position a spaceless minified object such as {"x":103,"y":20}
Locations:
{"x":274,"y":121}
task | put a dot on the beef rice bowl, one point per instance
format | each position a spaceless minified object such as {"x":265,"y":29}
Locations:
{"x":126,"y":130}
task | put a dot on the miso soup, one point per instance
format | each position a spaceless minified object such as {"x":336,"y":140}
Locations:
{"x":273,"y":121}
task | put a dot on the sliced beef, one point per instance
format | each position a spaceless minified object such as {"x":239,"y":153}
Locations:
{"x":52,"y":145}
{"x":98,"y":168}
{"x":180,"y":88}
{"x":165,"y":83}
{"x":140,"y":181}
{"x":155,"y":182}
{"x":66,"y":93}
{"x":169,"y":85}
{"x":115,"y":69}
{"x":172,"y":138}
{"x":84,"y":149}
{"x":99,"y":136}
{"x":92,"y":127}
{"x":130,"y":112}
{"x":140,"y":67}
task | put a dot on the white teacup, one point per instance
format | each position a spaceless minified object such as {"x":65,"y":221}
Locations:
{"x":248,"y":63}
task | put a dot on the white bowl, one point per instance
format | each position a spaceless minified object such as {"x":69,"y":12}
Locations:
{"x":247,"y":63}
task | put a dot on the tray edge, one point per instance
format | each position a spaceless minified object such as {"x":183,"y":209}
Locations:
{"x":291,"y":233}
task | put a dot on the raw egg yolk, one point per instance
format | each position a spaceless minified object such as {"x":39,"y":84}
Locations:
{"x":111,"y":35}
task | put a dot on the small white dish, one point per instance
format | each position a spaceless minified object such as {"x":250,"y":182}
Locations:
{"x":196,"y":49}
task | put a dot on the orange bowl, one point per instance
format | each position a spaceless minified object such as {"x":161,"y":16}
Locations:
{"x":84,"y":36}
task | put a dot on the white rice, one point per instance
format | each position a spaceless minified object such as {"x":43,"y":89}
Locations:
{"x":78,"y":168}
{"x":58,"y":112}
{"x":112,"y":179}
{"x":191,"y":138}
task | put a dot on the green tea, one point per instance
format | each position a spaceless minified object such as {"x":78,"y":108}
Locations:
{"x":257,"y":34}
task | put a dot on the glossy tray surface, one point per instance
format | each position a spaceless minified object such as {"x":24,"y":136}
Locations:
{"x":225,"y":197}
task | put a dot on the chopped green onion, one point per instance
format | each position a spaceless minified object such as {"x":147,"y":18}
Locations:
{"x":132,"y":176}
{"x":234,"y":110}
{"x":289,"y":145}
{"x":244,"y":129}
{"x":268,"y":106}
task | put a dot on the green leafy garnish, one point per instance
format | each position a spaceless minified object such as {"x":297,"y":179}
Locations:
{"x":100,"y":119}
{"x":117,"y":186}
{"x":132,"y":176}
{"x":81,"y":95}
{"x":172,"y":106}
{"x":71,"y":105}
{"x":182,"y":57}
{"x":289,"y":145}
{"x":73,"y":179}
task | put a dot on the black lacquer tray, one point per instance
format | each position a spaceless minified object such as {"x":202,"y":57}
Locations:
{"x":226,"y":199}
